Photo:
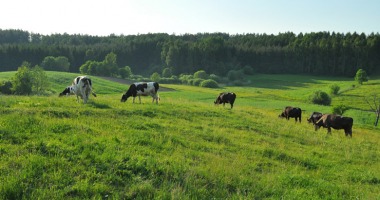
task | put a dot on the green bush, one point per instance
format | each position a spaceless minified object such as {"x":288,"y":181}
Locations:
{"x":201,"y":74}
{"x":320,"y":97}
{"x":209,"y":83}
{"x":197,"y":81}
{"x":334,"y":89}
{"x":339,"y":109}
{"x":5,"y":87}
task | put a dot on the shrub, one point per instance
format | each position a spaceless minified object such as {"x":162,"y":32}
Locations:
{"x":184,"y":78}
{"x":5,"y":87}
{"x":155,"y":77}
{"x":248,"y":70}
{"x":334,"y":89}
{"x":321,"y":98}
{"x":209,"y":83}
{"x":361,"y":76}
{"x":197,"y":81}
{"x":167,"y":72}
{"x":214,"y":77}
{"x":340,"y":109}
{"x":201,"y":74}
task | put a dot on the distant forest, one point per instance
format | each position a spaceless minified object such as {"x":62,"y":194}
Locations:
{"x":319,"y":53}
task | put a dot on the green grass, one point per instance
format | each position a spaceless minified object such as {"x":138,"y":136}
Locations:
{"x":185,"y":147}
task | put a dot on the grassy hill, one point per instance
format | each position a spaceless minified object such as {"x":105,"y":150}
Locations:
{"x":185,"y":147}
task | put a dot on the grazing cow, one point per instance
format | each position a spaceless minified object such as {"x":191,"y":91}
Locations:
{"x":336,"y":122}
{"x":226,"y":97}
{"x":290,"y":112}
{"x":314,"y":117}
{"x":81,"y":87}
{"x":142,"y":89}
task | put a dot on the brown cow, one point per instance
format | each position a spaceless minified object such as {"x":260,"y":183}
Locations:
{"x":290,"y":112}
{"x":226,"y":97}
{"x":336,"y":122}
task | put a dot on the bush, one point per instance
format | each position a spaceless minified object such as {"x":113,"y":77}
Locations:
{"x":214,"y":77}
{"x":201,"y":74}
{"x":321,"y":98}
{"x":209,"y":83}
{"x":197,"y":81}
{"x":340,"y":109}
{"x":5,"y":87}
{"x":334,"y":89}
{"x":248,"y":70}
{"x":155,"y":77}
{"x":361,"y":76}
{"x":185,"y":78}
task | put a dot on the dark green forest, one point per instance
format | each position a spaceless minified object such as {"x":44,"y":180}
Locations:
{"x":316,"y":53}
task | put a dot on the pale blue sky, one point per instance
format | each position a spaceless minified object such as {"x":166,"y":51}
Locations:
{"x":127,"y":17}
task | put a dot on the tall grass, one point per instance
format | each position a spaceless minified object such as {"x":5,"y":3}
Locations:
{"x":183,"y":148}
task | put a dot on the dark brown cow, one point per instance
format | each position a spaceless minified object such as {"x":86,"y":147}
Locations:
{"x":336,"y":122}
{"x":226,"y":97}
{"x":314,"y":117}
{"x":290,"y":112}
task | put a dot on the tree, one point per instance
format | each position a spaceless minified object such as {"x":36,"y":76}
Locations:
{"x":167,"y":72}
{"x":155,"y":77}
{"x":59,"y":63}
{"x":201,"y":74}
{"x":125,"y":72}
{"x":39,"y":80}
{"x":22,"y":80}
{"x":361,"y":76}
{"x":375,"y":106}
{"x":209,"y":83}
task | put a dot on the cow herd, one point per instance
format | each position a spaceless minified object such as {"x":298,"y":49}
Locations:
{"x":321,"y":120}
{"x":82,"y":87}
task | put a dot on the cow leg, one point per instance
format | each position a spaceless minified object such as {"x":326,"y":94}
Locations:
{"x":140,"y":99}
{"x":133,"y":100}
{"x":232,"y":105}
{"x":223,"y":104}
{"x":329,"y":130}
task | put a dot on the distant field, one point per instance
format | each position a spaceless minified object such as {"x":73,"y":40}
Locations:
{"x":185,"y":147}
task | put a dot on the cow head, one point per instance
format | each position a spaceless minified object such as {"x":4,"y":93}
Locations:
{"x":282,"y":115}
{"x":125,"y":97}
{"x":68,"y":90}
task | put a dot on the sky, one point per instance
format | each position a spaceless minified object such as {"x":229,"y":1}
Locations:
{"x":131,"y":17}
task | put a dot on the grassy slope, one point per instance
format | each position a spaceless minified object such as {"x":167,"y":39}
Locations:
{"x":184,"y":147}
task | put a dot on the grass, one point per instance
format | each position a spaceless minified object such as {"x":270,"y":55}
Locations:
{"x":184,"y":147}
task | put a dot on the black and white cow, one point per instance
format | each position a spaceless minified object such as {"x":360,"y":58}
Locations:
{"x":225,"y":97}
{"x":142,"y":89}
{"x":81,"y":87}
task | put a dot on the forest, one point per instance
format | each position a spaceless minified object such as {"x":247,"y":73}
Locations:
{"x":315,"y":53}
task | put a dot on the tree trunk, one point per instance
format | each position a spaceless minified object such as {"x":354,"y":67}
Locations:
{"x":377,"y":118}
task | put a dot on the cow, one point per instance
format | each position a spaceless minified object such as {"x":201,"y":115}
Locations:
{"x":226,"y":97}
{"x":290,"y":112}
{"x":336,"y":122}
{"x":81,"y":87}
{"x":314,"y":117}
{"x":142,"y":89}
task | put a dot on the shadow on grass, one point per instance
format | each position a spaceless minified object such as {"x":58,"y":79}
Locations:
{"x":99,"y":105}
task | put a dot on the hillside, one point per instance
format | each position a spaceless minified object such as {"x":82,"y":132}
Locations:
{"x":185,"y":147}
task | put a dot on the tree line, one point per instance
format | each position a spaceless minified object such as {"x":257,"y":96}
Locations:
{"x":316,"y":53}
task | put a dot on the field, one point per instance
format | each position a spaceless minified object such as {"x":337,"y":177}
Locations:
{"x":185,"y":147}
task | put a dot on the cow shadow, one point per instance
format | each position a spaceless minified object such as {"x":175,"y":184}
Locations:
{"x":99,"y":105}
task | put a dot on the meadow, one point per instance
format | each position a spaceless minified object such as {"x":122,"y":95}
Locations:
{"x":186,"y":147}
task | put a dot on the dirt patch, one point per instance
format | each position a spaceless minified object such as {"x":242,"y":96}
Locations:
{"x":129,"y":82}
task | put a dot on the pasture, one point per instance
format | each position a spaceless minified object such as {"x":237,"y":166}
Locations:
{"x":185,"y":147}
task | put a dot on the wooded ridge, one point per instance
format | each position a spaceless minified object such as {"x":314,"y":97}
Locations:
{"x":316,"y":53}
